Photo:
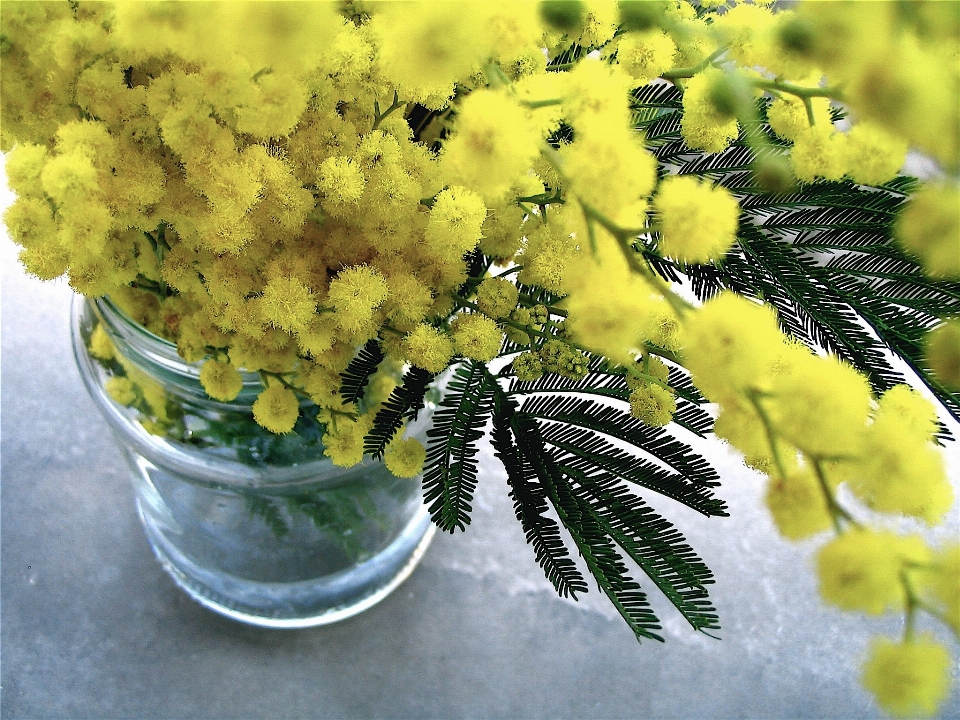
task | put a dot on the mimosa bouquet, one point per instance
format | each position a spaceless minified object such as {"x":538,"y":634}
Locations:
{"x":599,"y":228}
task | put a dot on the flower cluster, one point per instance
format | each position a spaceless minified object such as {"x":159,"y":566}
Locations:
{"x":272,"y":185}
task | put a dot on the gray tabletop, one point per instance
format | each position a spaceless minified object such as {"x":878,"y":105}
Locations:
{"x":93,"y":628}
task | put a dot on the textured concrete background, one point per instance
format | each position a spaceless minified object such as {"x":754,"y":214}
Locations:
{"x":93,"y":628}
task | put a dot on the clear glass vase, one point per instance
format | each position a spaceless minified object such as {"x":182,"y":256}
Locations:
{"x":258,"y":527}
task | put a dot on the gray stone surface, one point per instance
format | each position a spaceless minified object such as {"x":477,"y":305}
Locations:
{"x":93,"y":628}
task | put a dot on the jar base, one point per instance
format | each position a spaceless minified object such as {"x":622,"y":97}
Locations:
{"x":304,"y":604}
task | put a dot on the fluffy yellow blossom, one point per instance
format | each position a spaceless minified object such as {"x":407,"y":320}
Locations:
{"x":355,"y":293}
{"x":908,"y":678}
{"x":287,"y":304}
{"x":121,"y":390}
{"x":702,"y":126}
{"x":527,"y":366}
{"x":609,"y":167}
{"x":610,"y":308}
{"x":929,"y":229}
{"x":788,"y":115}
{"x":875,"y":156}
{"x":276,"y":409}
{"x":898,"y":469}
{"x":497,"y":297}
{"x":548,"y":253}
{"x":942,"y":353}
{"x":101,"y":346}
{"x":645,"y":55}
{"x":343,"y":440}
{"x":221,"y":381}
{"x":595,"y":88}
{"x":405,"y":458}
{"x":698,"y":220}
{"x":821,"y":405}
{"x":476,"y":336}
{"x":797,"y":504}
{"x":653,"y":404}
{"x":730,"y":344}
{"x":493,"y":143}
{"x":455,"y":221}
{"x":942,"y":581}
{"x":342,"y":183}
{"x":425,"y":47}
{"x":23,"y":165}
{"x":861,"y":569}
{"x":819,"y":151}
{"x":428,"y":348}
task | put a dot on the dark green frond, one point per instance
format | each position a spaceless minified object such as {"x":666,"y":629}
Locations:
{"x":613,"y":422}
{"x":404,"y":403}
{"x":650,"y":541}
{"x":353,"y":380}
{"x":450,"y":474}
{"x":530,"y":504}
{"x":586,"y":451}
{"x":596,"y":548}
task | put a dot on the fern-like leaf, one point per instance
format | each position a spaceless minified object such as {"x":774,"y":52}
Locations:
{"x":596,"y":548}
{"x":530,"y":504}
{"x":651,"y":542}
{"x":698,"y":477}
{"x":450,"y":475}
{"x":353,"y":380}
{"x":404,"y":403}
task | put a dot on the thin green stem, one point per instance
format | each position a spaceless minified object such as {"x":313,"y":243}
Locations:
{"x":754,"y":397}
{"x":689,"y":72}
{"x":837,"y":511}
{"x":379,"y":117}
{"x":798,"y":90}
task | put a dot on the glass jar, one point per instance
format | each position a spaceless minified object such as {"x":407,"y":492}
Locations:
{"x":259,"y":527}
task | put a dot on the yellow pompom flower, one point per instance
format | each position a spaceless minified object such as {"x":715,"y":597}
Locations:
{"x":942,"y":353}
{"x":221,"y":381}
{"x":819,"y":151}
{"x":547,"y":254}
{"x":287,"y":304}
{"x":276,"y":409}
{"x":730,"y":344}
{"x":929,"y":229}
{"x":355,"y":293}
{"x":405,"y":458}
{"x":341,"y":182}
{"x":428,"y":348}
{"x":861,"y":569}
{"x":527,"y":367}
{"x":875,"y":156}
{"x":610,"y":308}
{"x":343,"y":441}
{"x":698,"y":220}
{"x":425,"y":47}
{"x":653,"y":404}
{"x":797,"y":504}
{"x":909,"y":678}
{"x":23,"y":164}
{"x":942,"y":580}
{"x":497,"y":297}
{"x":101,"y":346}
{"x":476,"y":336}
{"x":821,"y":405}
{"x":702,"y":127}
{"x":898,"y":469}
{"x":645,"y":55}
{"x":121,"y":390}
{"x":493,"y":143}
{"x":911,"y":411}
{"x":787,"y":115}
{"x":455,"y":221}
